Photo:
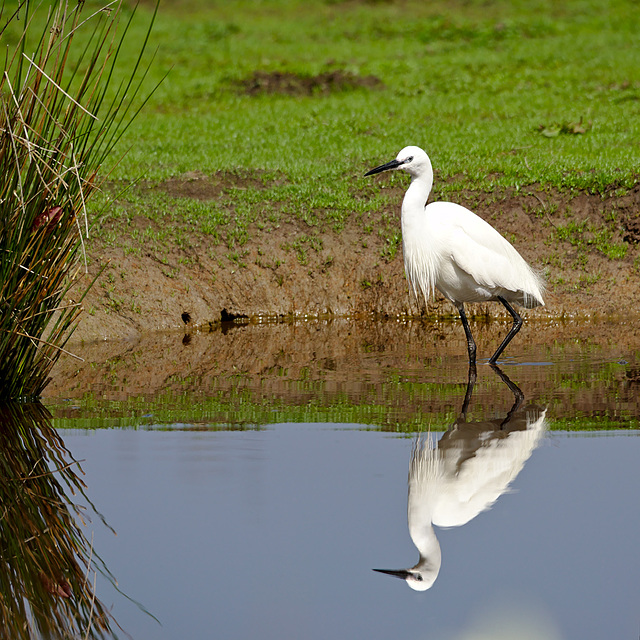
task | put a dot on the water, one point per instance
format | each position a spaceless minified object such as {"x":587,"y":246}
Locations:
{"x":233,"y":522}
{"x":275,"y":534}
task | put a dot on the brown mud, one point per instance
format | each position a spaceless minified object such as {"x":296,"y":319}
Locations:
{"x":293,"y":84}
{"x":195,"y":283}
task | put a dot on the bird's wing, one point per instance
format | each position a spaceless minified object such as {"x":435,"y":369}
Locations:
{"x":481,"y":252}
{"x":475,"y":485}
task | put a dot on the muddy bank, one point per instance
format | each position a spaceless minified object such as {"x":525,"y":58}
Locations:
{"x":587,"y":246}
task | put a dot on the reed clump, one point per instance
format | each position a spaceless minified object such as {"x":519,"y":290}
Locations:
{"x":60,"y":118}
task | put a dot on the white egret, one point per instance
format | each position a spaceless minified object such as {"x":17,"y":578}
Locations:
{"x":450,"y":248}
{"x":471,"y":466}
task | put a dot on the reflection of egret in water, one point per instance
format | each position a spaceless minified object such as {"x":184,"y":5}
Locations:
{"x":471,"y":466}
{"x":47,"y":565}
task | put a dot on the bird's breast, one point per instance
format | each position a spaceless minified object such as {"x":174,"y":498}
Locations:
{"x":421,"y":260}
{"x":428,"y":261}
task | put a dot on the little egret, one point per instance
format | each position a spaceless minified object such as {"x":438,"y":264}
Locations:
{"x":461,"y":476}
{"x":450,"y":248}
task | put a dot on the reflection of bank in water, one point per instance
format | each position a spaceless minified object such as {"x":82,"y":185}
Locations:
{"x":390,"y":374}
{"x":469,"y":468}
{"x":47,"y":565}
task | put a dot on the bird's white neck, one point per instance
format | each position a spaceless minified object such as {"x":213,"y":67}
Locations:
{"x":417,"y":194}
{"x":420,"y":511}
{"x":430,"y":555}
{"x":420,"y":260}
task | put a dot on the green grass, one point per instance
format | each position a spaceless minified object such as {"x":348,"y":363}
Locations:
{"x":470,"y":83}
{"x":500,"y":94}
{"x":495,"y":92}
{"x":583,"y":235}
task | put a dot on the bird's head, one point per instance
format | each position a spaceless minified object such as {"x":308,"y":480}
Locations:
{"x":411,"y":159}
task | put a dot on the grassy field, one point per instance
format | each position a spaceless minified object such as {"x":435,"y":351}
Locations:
{"x":507,"y":93}
{"x":500,"y":94}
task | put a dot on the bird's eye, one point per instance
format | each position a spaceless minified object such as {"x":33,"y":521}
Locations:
{"x":409,"y":159}
{"x":418,"y":577}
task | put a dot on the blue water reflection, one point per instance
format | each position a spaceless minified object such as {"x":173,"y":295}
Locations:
{"x":273,"y":534}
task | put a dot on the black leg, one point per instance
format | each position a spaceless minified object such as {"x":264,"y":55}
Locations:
{"x":518,"y":396}
{"x":471,"y":380}
{"x":471,"y":345}
{"x":517,"y":323}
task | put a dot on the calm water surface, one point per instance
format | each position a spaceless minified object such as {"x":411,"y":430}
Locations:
{"x":228,"y":528}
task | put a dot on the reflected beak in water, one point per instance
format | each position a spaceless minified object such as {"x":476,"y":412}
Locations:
{"x":400,"y":573}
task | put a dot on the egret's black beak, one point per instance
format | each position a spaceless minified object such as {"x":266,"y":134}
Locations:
{"x":394,"y":164}
{"x":400,"y":573}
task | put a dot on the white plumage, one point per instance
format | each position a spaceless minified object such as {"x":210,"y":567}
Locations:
{"x":461,"y":476}
{"x":450,"y":248}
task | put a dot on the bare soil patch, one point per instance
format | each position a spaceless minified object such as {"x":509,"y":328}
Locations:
{"x":199,"y":186}
{"x":293,"y":84}
{"x":345,"y":273}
